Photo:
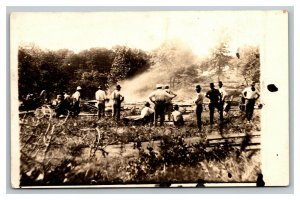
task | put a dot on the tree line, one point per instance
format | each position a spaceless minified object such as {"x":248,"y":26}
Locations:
{"x":64,"y":70}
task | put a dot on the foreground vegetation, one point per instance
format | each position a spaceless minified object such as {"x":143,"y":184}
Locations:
{"x":72,"y":151}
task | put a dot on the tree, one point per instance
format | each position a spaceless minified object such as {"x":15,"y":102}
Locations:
{"x":57,"y":71}
{"x":249,"y":64}
{"x":220,"y":59}
{"x":89,"y":81}
{"x":186,"y":76}
{"x":38,"y":70}
{"x":128,"y":63}
{"x":173,"y":60}
{"x":27,"y":70}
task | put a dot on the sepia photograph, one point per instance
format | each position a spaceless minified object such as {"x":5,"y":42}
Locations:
{"x":149,"y":99}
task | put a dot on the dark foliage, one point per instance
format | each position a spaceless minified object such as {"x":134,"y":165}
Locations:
{"x":63,"y":70}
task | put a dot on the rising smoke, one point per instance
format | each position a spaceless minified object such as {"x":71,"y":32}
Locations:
{"x":168,"y":59}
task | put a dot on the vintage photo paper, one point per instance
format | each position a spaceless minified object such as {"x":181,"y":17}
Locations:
{"x":149,"y":99}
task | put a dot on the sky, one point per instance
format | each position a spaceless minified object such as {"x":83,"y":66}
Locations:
{"x":200,"y":30}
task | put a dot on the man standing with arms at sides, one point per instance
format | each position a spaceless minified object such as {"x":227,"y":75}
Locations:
{"x":222,"y":99}
{"x":169,"y":105}
{"x":199,"y":101}
{"x":117,"y":98}
{"x":76,"y":101}
{"x":159,"y":97}
{"x":214,"y":96}
{"x":100,"y":98}
{"x":251,"y":95}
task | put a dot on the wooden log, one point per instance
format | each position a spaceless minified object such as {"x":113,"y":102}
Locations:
{"x":233,"y":144}
{"x":234,"y":136}
{"x":26,"y":112}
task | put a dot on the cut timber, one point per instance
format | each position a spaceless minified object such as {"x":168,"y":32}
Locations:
{"x":87,"y":114}
{"x":256,"y":134}
{"x":233,"y":144}
{"x":26,"y":112}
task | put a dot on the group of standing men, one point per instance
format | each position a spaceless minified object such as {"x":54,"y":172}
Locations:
{"x":162,"y":99}
{"x":217,"y":99}
{"x":117,"y":99}
{"x":66,"y":102}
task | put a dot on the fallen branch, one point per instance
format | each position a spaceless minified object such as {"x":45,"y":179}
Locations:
{"x":49,"y":143}
{"x":65,"y":119}
{"x":87,"y":129}
{"x":99,"y":134}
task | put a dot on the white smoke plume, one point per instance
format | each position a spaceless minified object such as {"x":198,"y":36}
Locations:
{"x":167,"y":59}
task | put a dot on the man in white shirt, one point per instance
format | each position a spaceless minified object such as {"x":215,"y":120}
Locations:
{"x":177,"y":116}
{"x":199,"y":108}
{"x":147,"y":114}
{"x":159,"y":97}
{"x":76,"y":101}
{"x":100,"y":98}
{"x":251,"y":95}
{"x":117,"y":98}
{"x":222,"y":91}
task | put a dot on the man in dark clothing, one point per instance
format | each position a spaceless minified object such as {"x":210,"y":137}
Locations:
{"x":67,"y":100}
{"x":215,"y":96}
{"x":117,"y":98}
{"x":29,"y":102}
{"x":223,"y":94}
{"x":60,"y":107}
{"x":199,"y":101}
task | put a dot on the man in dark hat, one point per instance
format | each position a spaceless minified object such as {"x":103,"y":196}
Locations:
{"x":117,"y":98}
{"x":100,"y":98}
{"x":199,"y":102}
{"x":214,"y":97}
